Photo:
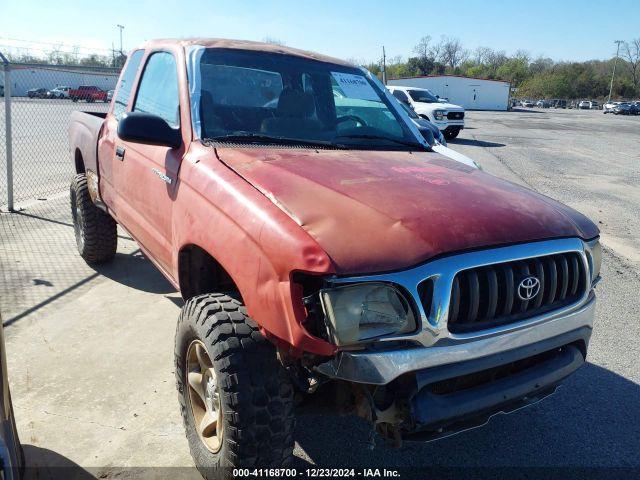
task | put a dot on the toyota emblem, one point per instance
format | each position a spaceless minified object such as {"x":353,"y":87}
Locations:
{"x":528,"y":288}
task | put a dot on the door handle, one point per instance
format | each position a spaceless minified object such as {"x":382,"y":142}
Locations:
{"x":120,"y":153}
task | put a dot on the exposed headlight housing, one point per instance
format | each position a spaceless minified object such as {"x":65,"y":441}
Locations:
{"x":360,"y":312}
{"x":439,"y":114}
{"x":594,"y":253}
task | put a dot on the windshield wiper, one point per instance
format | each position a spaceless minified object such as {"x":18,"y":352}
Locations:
{"x":272,"y":140}
{"x":368,"y":136}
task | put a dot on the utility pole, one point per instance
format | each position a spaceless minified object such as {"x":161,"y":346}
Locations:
{"x":618,"y":42}
{"x":121,"y":27}
{"x":384,"y":67}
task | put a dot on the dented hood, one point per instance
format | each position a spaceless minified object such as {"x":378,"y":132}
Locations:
{"x":376,"y":211}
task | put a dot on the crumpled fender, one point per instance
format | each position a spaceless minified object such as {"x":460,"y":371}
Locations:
{"x":254,"y":241}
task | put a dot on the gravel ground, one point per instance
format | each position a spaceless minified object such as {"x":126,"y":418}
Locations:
{"x":59,"y":311}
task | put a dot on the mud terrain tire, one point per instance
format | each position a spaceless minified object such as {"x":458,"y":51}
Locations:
{"x":96,"y":232}
{"x":255,"y":393}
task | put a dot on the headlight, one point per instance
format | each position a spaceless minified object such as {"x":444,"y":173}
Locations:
{"x":594,"y":251}
{"x":439,"y":114}
{"x":364,"y":311}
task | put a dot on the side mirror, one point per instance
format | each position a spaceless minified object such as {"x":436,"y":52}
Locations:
{"x":140,"y":127}
{"x":428,"y":136}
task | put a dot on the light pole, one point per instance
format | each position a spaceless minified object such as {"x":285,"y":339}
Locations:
{"x":618,"y":42}
{"x":384,"y":66}
{"x":121,"y":27}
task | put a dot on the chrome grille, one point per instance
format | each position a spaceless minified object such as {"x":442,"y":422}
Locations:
{"x":487,"y":297}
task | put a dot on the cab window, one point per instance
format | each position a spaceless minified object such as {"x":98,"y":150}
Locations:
{"x":158,"y":89}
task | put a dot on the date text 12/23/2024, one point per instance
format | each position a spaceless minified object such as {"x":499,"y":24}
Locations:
{"x":315,"y":473}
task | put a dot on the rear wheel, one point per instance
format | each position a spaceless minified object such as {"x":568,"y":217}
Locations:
{"x":95,"y":231}
{"x":235,"y":397}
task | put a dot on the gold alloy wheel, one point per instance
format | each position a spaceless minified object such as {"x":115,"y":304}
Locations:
{"x":204,"y":396}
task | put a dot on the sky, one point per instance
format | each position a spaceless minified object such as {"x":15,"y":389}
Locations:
{"x":350,"y":29}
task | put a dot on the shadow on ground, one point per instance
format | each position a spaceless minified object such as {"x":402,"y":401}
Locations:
{"x":44,"y":464}
{"x":475,"y":143}
{"x":40,"y":265}
{"x":528,"y":110}
{"x":136,"y":271}
{"x":591,"y":421}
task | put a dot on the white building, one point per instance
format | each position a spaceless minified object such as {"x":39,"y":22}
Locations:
{"x":26,"y":77}
{"x":470,"y":93}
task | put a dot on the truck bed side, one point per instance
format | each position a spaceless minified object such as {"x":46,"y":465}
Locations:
{"x":84,"y":130}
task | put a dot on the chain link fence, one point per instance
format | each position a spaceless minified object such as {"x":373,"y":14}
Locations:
{"x":34,"y":123}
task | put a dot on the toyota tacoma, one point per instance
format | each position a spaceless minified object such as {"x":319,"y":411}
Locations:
{"x":326,"y":255}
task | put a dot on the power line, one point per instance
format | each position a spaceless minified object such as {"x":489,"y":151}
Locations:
{"x":40,"y":52}
{"x":54,"y":44}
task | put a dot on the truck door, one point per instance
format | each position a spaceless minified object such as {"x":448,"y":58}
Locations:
{"x":147,"y":175}
{"x":107,"y":142}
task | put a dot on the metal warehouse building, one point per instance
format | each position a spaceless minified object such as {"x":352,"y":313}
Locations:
{"x":470,"y":93}
{"x":26,"y":77}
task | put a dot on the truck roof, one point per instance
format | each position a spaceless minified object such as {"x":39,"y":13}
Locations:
{"x":242,"y":45}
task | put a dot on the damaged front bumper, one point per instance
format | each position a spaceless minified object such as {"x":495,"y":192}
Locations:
{"x":444,"y":389}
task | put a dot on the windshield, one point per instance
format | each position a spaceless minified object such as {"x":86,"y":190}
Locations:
{"x":265,"y":98}
{"x":423,"y":96}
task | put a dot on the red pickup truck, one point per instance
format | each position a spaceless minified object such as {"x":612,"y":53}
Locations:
{"x":325,"y":251}
{"x":88,"y":93}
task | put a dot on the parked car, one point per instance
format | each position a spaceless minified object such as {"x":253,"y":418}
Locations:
{"x":88,"y":93}
{"x":109,"y":95}
{"x":37,"y":93}
{"x":11,"y":454}
{"x":595,"y":105}
{"x":634,"y":108}
{"x":528,"y":104}
{"x":59,"y":92}
{"x":584,"y":105}
{"x":609,"y":106}
{"x":622,"y":109}
{"x":447,"y":117}
{"x":323,"y":248}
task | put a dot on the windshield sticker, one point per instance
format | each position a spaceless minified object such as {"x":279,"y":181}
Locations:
{"x":355,"y":86}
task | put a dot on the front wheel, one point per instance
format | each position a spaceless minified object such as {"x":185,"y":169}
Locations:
{"x":95,"y":231}
{"x":235,"y":396}
{"x":451,"y":133}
